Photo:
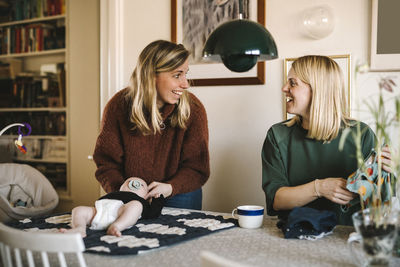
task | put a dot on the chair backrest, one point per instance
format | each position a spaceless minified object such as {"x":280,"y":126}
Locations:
{"x":14,"y":242}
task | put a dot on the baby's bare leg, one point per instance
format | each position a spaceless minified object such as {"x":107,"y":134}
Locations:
{"x":81,"y":217}
{"x":128,"y":215}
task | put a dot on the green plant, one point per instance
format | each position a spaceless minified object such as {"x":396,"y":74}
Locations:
{"x":385,"y":112}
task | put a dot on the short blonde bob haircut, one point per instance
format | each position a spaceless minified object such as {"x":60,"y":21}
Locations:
{"x":329,"y":106}
{"x":158,"y":56}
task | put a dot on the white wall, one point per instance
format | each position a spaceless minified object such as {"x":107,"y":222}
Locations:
{"x":239,"y":116}
{"x":83,"y":100}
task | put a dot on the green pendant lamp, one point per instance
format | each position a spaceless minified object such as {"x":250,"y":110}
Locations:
{"x":239,"y":44}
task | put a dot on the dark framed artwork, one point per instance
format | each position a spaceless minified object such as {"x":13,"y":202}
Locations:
{"x":191,"y":23}
{"x":385,"y":40}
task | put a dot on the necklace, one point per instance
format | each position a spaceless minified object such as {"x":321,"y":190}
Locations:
{"x":162,"y":125}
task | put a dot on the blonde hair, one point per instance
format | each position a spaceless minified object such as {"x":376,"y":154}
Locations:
{"x":329,"y":106}
{"x":159,"y":56}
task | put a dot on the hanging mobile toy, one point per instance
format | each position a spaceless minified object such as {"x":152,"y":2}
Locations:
{"x":20,"y":145}
{"x":18,"y":142}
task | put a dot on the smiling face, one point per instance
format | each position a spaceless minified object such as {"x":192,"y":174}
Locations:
{"x":298,"y":96}
{"x":171,"y":84}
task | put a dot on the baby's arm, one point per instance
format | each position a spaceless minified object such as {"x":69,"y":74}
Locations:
{"x":128,"y":215}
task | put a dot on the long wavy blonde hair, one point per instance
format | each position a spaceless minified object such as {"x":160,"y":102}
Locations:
{"x":329,"y":106}
{"x":158,"y":56}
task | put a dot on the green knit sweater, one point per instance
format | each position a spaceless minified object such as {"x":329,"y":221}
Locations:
{"x":289,"y":158}
{"x":176,"y":156}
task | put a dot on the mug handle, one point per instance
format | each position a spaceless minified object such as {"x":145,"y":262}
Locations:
{"x":355,"y":238}
{"x":233,"y":213}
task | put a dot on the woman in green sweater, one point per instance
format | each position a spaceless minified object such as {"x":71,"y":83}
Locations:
{"x":156,"y":130}
{"x":301,"y":161}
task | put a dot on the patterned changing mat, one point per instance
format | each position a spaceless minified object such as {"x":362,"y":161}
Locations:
{"x":172,"y":227}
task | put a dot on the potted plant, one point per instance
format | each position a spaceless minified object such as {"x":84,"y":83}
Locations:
{"x":377,"y":221}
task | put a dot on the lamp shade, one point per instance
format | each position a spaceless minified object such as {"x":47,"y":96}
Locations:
{"x":319,"y":22}
{"x":239,"y":44}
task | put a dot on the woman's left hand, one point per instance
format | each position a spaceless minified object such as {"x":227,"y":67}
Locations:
{"x":156,"y":189}
{"x":386,"y":159}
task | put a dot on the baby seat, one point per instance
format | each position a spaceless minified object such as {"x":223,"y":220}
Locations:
{"x":24,"y":192}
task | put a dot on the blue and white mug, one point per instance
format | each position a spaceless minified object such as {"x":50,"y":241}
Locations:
{"x":249,"y":216}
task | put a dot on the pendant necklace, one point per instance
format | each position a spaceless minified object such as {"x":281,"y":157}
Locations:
{"x":162,"y":125}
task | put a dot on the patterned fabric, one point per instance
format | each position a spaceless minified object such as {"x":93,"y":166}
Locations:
{"x":365,"y":181}
{"x":172,"y":227}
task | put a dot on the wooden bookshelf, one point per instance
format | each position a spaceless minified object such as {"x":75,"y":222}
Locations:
{"x":44,"y":105}
{"x":32,"y":109}
{"x":45,"y":160}
{"x":31,"y":21}
{"x":58,"y":137}
{"x":32,"y":54}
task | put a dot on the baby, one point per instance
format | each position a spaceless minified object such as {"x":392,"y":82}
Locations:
{"x":116,"y":211}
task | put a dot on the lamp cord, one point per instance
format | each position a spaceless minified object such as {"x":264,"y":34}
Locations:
{"x":240,"y":9}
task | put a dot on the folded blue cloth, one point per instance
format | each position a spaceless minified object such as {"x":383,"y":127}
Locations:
{"x":308,"y":223}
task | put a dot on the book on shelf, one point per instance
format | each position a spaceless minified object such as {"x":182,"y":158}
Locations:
{"x":42,"y":122}
{"x":4,"y":71}
{"x":5,"y":9}
{"x":61,"y":83}
{"x":10,"y":68}
{"x":6,"y":91}
{"x":29,"y":9}
{"x":51,"y":150}
{"x":30,"y":90}
{"x":34,"y":37}
{"x":57,"y":71}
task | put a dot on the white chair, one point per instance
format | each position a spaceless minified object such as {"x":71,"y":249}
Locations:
{"x":209,"y":259}
{"x":17,"y":241}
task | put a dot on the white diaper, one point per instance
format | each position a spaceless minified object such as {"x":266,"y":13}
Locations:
{"x":106,"y":213}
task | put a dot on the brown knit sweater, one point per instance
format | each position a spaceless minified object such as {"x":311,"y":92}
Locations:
{"x":176,"y":156}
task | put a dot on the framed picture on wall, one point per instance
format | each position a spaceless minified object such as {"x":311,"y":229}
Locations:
{"x":385,"y":40}
{"x":191,"y":23}
{"x":343,"y":62}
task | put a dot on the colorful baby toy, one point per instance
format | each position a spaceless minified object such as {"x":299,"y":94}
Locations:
{"x":18,"y":142}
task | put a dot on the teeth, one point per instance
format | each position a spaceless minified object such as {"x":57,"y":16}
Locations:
{"x":288,"y":98}
{"x":177,"y":92}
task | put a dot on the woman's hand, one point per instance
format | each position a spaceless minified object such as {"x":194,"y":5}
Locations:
{"x":386,"y":159}
{"x":335,"y":190}
{"x":156,"y":189}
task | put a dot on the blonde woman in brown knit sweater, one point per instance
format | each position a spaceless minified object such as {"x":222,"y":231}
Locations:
{"x":156,"y":130}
